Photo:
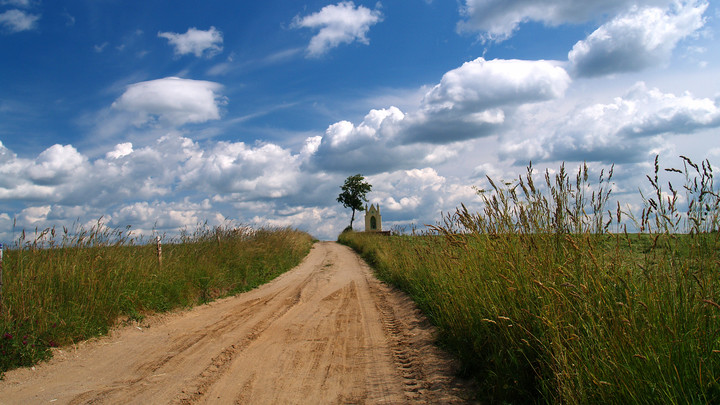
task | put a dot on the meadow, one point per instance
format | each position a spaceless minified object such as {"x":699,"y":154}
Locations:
{"x":60,"y":287}
{"x":547,"y":298}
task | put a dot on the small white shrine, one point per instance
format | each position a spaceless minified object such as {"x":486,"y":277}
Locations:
{"x":373,"y":219}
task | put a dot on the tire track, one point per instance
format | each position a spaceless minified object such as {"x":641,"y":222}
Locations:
{"x":220,"y":363}
{"x":407,"y":362}
{"x":187,"y":342}
{"x":429,"y":375}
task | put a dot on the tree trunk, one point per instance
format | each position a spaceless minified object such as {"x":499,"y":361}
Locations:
{"x":352,"y":219}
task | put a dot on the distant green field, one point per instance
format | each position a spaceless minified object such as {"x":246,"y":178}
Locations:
{"x":543,"y":303}
{"x":67,"y":288}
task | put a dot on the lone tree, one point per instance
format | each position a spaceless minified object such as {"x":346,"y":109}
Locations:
{"x":353,"y":194}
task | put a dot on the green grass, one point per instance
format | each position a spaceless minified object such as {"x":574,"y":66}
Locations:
{"x":62,"y":288}
{"x":545,"y":298}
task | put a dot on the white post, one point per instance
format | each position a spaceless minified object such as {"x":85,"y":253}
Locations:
{"x":159,"y":250}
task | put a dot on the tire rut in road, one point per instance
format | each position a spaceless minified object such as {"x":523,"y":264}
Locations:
{"x":428,"y":374}
{"x":220,"y":363}
{"x":194,"y":341}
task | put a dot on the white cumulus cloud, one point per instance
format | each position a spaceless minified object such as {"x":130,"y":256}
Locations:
{"x":18,"y":20}
{"x":641,"y":38}
{"x":171,"y":183}
{"x":55,"y":164}
{"x":33,"y":215}
{"x":475,"y":99}
{"x":121,"y":150}
{"x":172,"y":100}
{"x":498,"y":19}
{"x":160,"y":214}
{"x":266,"y":170}
{"x":470,"y":102}
{"x":372,"y":146}
{"x":343,"y":23}
{"x":413,"y":196}
{"x":481,"y":85}
{"x":40,"y":178}
{"x":628,"y":129}
{"x":196,"y":42}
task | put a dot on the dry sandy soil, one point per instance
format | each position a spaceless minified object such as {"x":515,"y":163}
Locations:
{"x":327,"y":332}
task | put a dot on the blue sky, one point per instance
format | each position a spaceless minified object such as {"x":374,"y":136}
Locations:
{"x":164,"y":115}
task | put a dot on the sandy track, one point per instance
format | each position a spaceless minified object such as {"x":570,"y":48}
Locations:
{"x":325,"y":332}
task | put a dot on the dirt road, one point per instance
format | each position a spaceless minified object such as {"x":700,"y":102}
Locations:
{"x":326,"y":332}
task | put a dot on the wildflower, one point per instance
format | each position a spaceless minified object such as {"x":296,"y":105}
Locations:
{"x":7,"y":336}
{"x":52,"y":343}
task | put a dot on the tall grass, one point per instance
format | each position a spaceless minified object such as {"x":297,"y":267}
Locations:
{"x":62,"y":287}
{"x":546,"y":297}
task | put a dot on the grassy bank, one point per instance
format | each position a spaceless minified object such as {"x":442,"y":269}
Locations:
{"x":61,"y":288}
{"x":546,"y":299}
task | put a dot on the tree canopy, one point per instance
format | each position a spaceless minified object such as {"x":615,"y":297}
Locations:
{"x":353,"y":194}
